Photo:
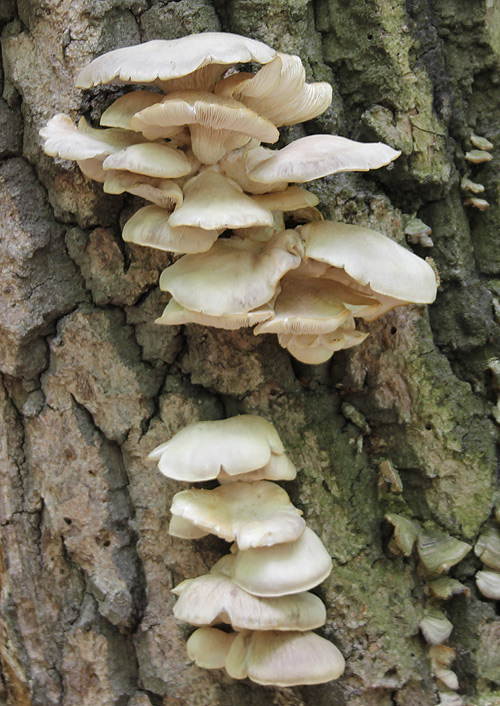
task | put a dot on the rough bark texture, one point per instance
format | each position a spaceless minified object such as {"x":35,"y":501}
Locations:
{"x":90,"y":385}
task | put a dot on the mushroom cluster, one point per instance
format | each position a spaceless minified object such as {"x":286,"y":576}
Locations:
{"x":262,"y":587}
{"x":256,"y":251}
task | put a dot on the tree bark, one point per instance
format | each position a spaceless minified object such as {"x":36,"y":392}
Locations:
{"x":89,"y":385}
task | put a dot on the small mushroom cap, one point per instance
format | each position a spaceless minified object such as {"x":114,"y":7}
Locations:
{"x":482,"y":143}
{"x":279,"y":468}
{"x":447,"y":587}
{"x":317,"y":156}
{"x":292,"y":199}
{"x":174,"y":315}
{"x":257,"y":514}
{"x":212,"y":201}
{"x":199,"y":451}
{"x":488,"y":582}
{"x":468,"y":185}
{"x":236,"y":165}
{"x":478,"y":156}
{"x":371,"y":259}
{"x":209,"y":647}
{"x":438,"y":551}
{"x":284,"y":658}
{"x":488,"y":547}
{"x":152,"y":159}
{"x":184,"y":529}
{"x":315,"y":349}
{"x":212,"y":599}
{"x":234,"y":276}
{"x":405,"y":531}
{"x":63,"y":139}
{"x":124,"y":108}
{"x":174,"y":58}
{"x":150,"y":226}
{"x":435,"y":626}
{"x":162,"y":192}
{"x":281,"y":569}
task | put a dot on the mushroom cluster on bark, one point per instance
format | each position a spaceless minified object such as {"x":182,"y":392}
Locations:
{"x":262,"y":587}
{"x":255,"y":248}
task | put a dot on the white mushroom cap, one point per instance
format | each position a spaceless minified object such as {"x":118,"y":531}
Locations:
{"x":174,"y":315}
{"x":237,"y":445}
{"x":279,"y":468}
{"x":122,"y":110}
{"x":317,"y":156}
{"x":152,"y":159}
{"x":162,"y":192}
{"x":284,"y":658}
{"x":281,"y":569}
{"x":209,"y":647}
{"x":257,"y":514}
{"x":236,"y":165}
{"x":315,"y":349}
{"x":212,"y":599}
{"x":371,"y":259}
{"x":184,"y":529}
{"x":150,"y":226}
{"x":292,"y":199}
{"x":212,"y":201}
{"x":175,"y":58}
{"x":279,"y":92}
{"x":234,"y":276}
{"x":63,"y":139}
{"x":213,"y":120}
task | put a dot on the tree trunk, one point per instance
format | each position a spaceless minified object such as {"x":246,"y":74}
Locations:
{"x":90,"y":385}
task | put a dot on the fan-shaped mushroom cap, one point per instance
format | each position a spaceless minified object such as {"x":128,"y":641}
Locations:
{"x":124,"y":108}
{"x":150,"y":226}
{"x":212,"y":201}
{"x":174,"y":315}
{"x":284,"y":658}
{"x":162,"y":192}
{"x":237,"y":445}
{"x":234,"y":276}
{"x":488,"y":547}
{"x":257,"y":514}
{"x":313,"y":306}
{"x":488,"y":582}
{"x":184,"y":529}
{"x":371,"y":259}
{"x":292,"y":199}
{"x":315,"y":349}
{"x":317,"y":156}
{"x":237,"y":164}
{"x":212,"y":599}
{"x":174,"y":58}
{"x":213,"y":120}
{"x":279,"y":468}
{"x":279,"y":92}
{"x":281,"y":569}
{"x":152,"y":159}
{"x":209,"y":647}
{"x":63,"y":139}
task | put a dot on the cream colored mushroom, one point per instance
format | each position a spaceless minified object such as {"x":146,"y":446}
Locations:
{"x":235,"y":165}
{"x":209,"y":647}
{"x":150,"y":226}
{"x":174,"y":315}
{"x":124,"y":108}
{"x":151,"y":159}
{"x":317,"y":156}
{"x":281,"y":569}
{"x":163,"y":61}
{"x":283,"y":658}
{"x":235,"y":276}
{"x":314,"y":349}
{"x":201,"y":450}
{"x":257,"y":514}
{"x":217,"y":124}
{"x":162,"y":192}
{"x":212,"y":599}
{"x":212,"y":201}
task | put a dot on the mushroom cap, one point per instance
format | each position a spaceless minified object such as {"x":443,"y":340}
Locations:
{"x":199,"y":451}
{"x":174,"y":315}
{"x":284,"y":658}
{"x":123,"y":109}
{"x":293,"y":198}
{"x":488,"y":582}
{"x":279,"y":468}
{"x":209,"y":647}
{"x":150,"y":226}
{"x":257,"y":514}
{"x":63,"y":139}
{"x":487,"y":547}
{"x":278,"y":91}
{"x":281,"y":569}
{"x":438,"y":551}
{"x":212,"y":599}
{"x":317,"y":156}
{"x":236,"y":165}
{"x":174,"y":58}
{"x":212,"y":201}
{"x":314,"y":349}
{"x":234,"y":276}
{"x":207,"y":110}
{"x":371,"y":259}
{"x":184,"y":529}
{"x":152,"y":159}
{"x":163,"y":192}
